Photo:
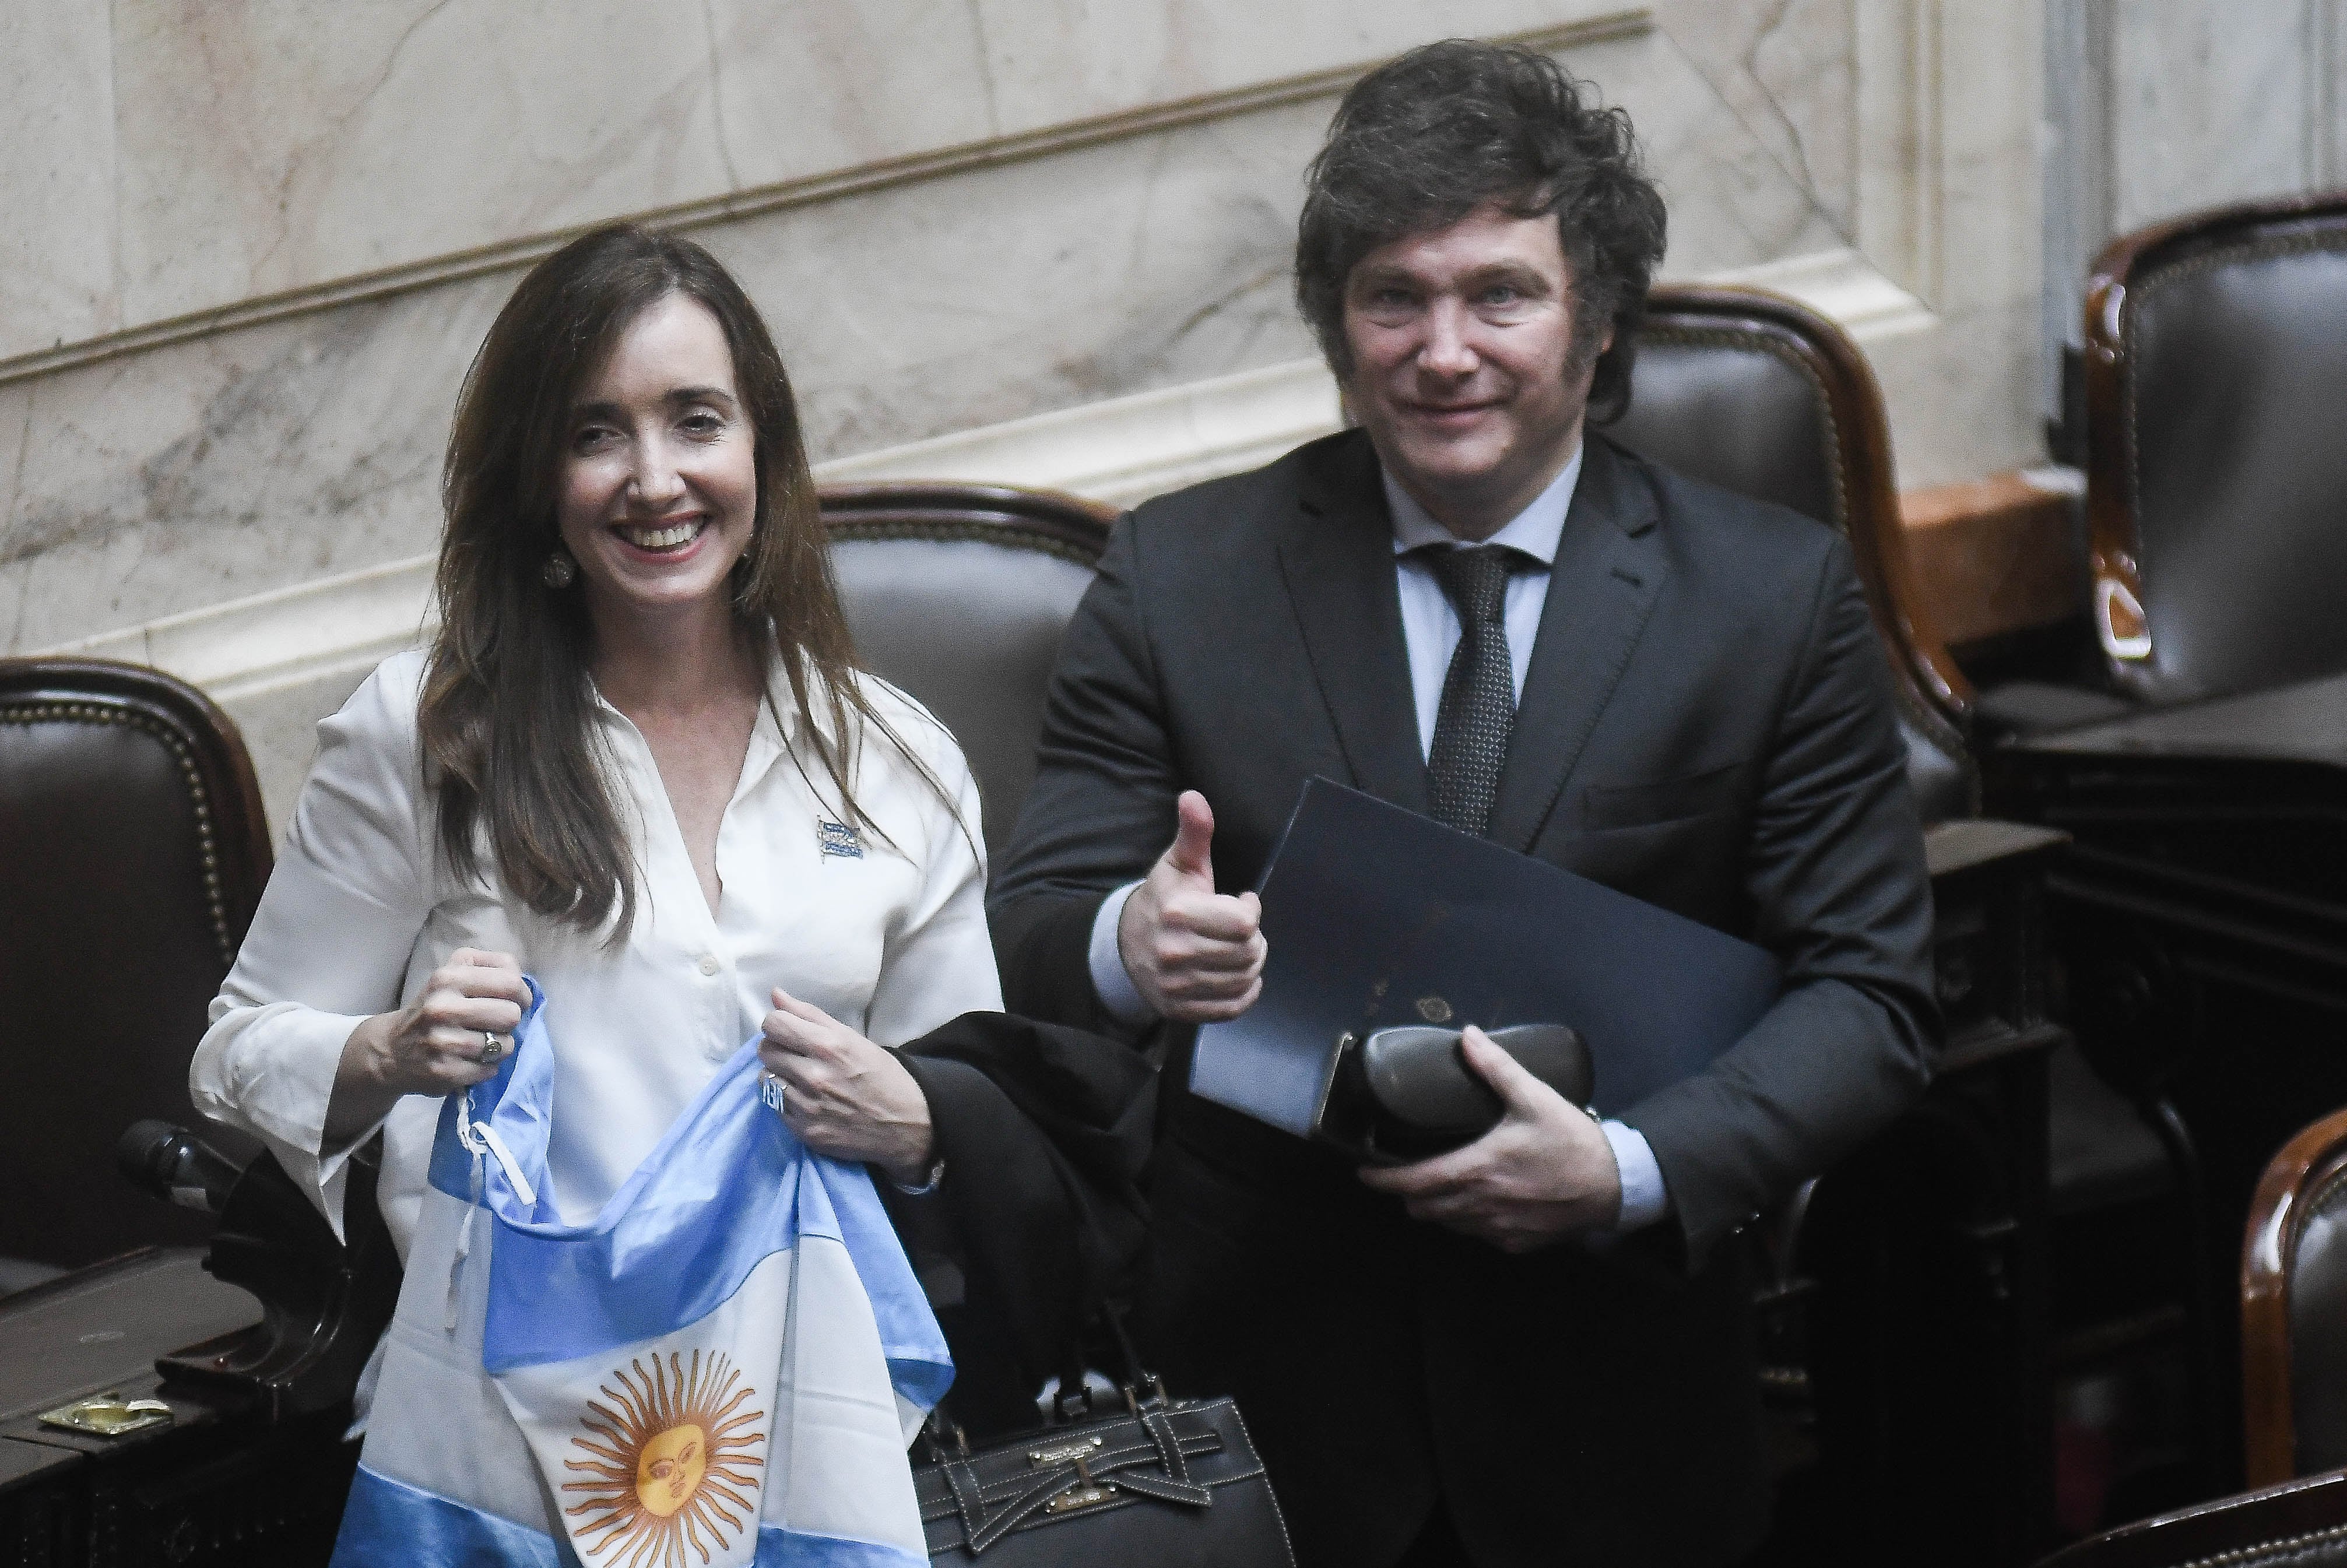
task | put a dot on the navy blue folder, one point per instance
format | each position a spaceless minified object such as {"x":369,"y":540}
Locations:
{"x":1375,"y":916}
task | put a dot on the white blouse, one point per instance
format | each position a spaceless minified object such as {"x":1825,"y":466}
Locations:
{"x":888,"y":936}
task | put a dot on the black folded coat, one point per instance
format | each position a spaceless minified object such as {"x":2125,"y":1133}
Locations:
{"x":1043,"y":1130}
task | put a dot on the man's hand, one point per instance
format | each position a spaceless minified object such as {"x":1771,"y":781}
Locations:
{"x":1545,"y":1172}
{"x":1195,"y":954}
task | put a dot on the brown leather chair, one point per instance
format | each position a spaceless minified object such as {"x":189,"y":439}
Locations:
{"x":2294,"y":1309}
{"x":1762,"y":396}
{"x":2215,"y":366}
{"x":134,"y":852}
{"x":958,"y":594}
{"x":2300,"y":1524}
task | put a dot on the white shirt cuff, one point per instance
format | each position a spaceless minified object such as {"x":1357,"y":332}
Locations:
{"x":1644,"y":1199}
{"x":269,"y":1068}
{"x":1110,"y":982}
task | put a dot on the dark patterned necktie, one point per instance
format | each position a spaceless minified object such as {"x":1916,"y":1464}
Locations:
{"x":1478,"y":712}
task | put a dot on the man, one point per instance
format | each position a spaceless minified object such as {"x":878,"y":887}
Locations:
{"x":1533,"y":1349}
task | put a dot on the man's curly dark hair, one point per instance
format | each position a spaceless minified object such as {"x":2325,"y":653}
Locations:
{"x":1420,"y":142}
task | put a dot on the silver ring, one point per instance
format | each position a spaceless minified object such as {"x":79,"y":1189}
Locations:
{"x":491,"y":1049}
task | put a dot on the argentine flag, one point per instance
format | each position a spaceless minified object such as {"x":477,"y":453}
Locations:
{"x":724,"y":1366}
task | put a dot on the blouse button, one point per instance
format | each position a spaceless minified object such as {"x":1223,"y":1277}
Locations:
{"x":709,"y":965}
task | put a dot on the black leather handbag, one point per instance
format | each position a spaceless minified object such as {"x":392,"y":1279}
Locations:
{"x":1163,"y":1484}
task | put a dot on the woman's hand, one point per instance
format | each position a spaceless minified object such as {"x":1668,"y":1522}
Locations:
{"x":845,"y":1096}
{"x":452,"y":1037}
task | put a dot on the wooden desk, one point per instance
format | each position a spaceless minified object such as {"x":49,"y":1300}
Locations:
{"x":2303,"y":722}
{"x":1926,"y":1332}
{"x":220,"y":1485}
{"x":2209,"y":862}
{"x":2200,"y":917}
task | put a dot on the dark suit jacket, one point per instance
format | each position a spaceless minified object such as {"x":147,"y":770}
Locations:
{"x":1707,"y":725}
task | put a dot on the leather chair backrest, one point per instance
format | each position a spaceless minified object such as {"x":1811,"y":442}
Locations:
{"x":2294,"y":1309}
{"x":2299,"y":1525}
{"x":2216,"y":372}
{"x":132,"y":852}
{"x":959,"y":595}
{"x":1759,"y":396}
{"x":2317,"y":1329}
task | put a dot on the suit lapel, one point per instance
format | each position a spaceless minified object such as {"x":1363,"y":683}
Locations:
{"x":1338,"y":562}
{"x":1610,"y":567}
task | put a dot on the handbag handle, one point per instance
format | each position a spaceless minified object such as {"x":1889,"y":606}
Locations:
{"x":1142,"y":1389}
{"x":944,"y":1440}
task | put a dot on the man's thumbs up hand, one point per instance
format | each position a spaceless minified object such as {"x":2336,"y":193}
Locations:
{"x":1194,"y":838}
{"x":1195,"y":954}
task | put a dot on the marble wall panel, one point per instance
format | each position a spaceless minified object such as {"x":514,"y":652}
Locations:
{"x":1983,"y":178}
{"x":1963,"y":398}
{"x":2326,"y":59}
{"x":56,"y":122}
{"x":2210,"y":102}
{"x":260,"y":151}
{"x":228,"y":466}
{"x":1786,"y":71}
{"x":1051,"y":60}
{"x":926,"y":308}
{"x":1733,"y":199}
{"x":817,"y":85}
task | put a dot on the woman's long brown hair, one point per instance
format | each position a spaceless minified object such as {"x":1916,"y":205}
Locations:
{"x":505,"y":715}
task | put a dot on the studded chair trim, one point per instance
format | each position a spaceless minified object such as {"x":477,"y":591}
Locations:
{"x":230,"y":830}
{"x":38,"y":711}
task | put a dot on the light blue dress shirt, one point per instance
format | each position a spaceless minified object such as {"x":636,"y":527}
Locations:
{"x":1430,"y":629}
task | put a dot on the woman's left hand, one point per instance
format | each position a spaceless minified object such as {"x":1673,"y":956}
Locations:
{"x":845,"y":1096}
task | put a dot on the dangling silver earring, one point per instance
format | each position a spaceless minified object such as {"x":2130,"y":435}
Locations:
{"x":559,"y":570}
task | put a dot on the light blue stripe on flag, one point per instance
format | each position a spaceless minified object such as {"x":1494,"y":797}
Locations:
{"x":390,"y":1524}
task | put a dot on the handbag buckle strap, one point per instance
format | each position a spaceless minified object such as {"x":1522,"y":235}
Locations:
{"x":1086,"y":1492}
{"x":1089,"y":1495}
{"x":1077,"y":1481}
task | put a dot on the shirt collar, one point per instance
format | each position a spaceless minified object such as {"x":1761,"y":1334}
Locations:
{"x":778,"y":719}
{"x":1535,"y":530}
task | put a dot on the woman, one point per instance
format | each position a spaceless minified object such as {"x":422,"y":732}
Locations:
{"x":637,"y":762}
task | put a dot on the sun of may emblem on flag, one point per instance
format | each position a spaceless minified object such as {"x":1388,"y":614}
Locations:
{"x":673,"y":1456}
